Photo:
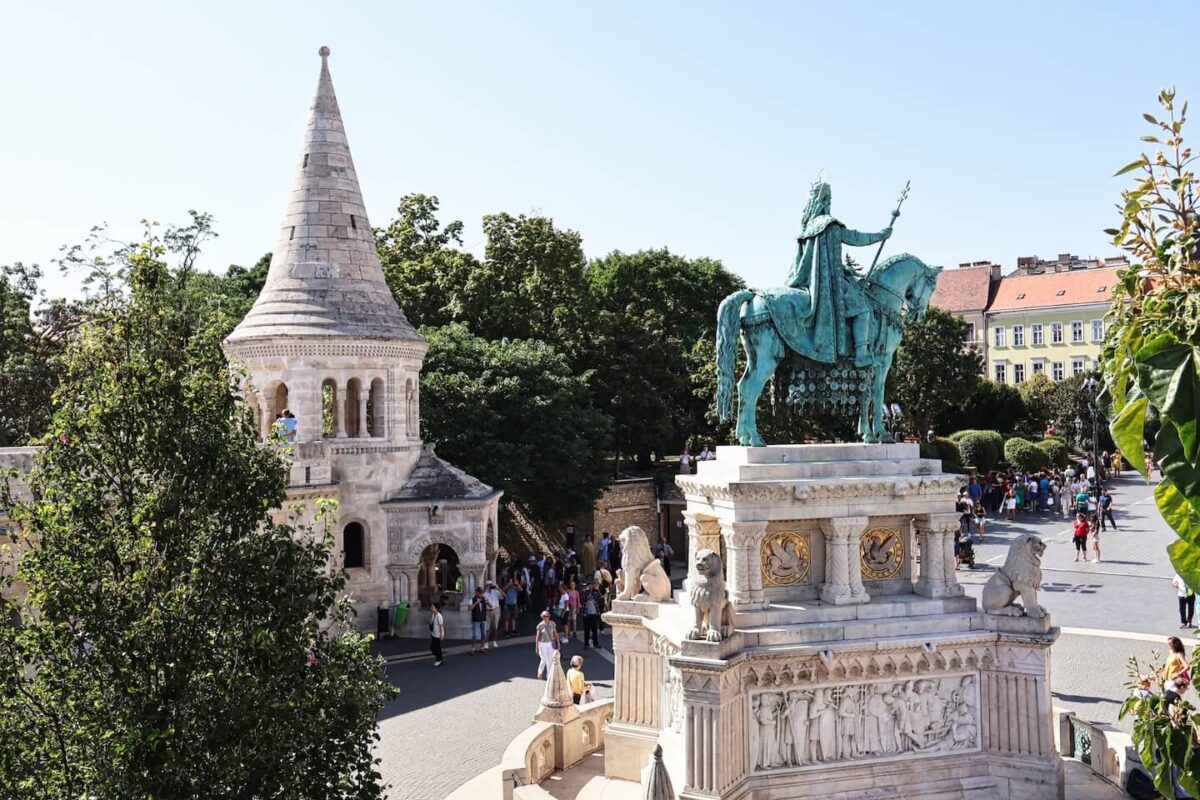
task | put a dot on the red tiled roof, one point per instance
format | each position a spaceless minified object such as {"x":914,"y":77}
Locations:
{"x":1054,"y":289}
{"x":962,"y":289}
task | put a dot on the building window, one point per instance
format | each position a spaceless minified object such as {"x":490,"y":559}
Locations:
{"x":1038,"y":367}
{"x":999,"y":333}
{"x":1056,"y":333}
{"x":1018,"y":335}
{"x":1018,"y":373}
{"x":1076,"y":332}
{"x":1001,"y":373}
{"x":1097,"y":330}
{"x":969,"y":337}
{"x":1056,"y":371}
{"x":1076,"y":366}
{"x":1035,"y":331}
{"x":353,"y":549}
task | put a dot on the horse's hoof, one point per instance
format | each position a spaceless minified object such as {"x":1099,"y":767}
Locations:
{"x":757,"y":441}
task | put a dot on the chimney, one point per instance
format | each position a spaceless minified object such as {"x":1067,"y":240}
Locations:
{"x":995,"y":272}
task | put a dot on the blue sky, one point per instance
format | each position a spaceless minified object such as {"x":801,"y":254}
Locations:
{"x":692,"y":125}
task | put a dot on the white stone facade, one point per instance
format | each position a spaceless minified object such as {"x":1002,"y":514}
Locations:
{"x":854,"y":669}
{"x":327,"y":341}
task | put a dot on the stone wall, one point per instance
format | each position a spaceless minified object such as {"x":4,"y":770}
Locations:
{"x":625,"y":503}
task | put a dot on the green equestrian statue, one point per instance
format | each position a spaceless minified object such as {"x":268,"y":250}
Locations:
{"x":841,"y":329}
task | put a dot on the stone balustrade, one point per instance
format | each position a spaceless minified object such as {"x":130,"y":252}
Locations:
{"x":544,"y":747}
{"x":1103,"y":748}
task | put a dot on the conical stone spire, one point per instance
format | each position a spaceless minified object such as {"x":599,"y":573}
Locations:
{"x":556,"y":705}
{"x":656,"y":783}
{"x":325,"y":278}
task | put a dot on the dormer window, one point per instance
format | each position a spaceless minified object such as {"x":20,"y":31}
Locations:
{"x":1102,"y":289}
{"x":1060,"y":292}
{"x":1021,"y":296}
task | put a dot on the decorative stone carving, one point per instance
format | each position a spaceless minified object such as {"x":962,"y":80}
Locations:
{"x":843,"y":574}
{"x":656,"y":783}
{"x":714,"y":617}
{"x":863,"y":721}
{"x":785,"y":558}
{"x":556,"y":704}
{"x":673,"y":700}
{"x":935,"y":535}
{"x":817,"y":492}
{"x":882,"y":553}
{"x":1020,"y":577}
{"x":644,"y":578}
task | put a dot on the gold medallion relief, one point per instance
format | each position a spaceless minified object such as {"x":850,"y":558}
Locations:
{"x":882,"y":554}
{"x":785,"y":558}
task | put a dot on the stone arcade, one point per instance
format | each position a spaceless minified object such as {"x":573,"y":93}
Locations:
{"x":851,"y":671}
{"x":326,"y":340}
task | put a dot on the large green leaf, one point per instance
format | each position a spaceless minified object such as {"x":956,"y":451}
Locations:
{"x":1127,"y":430}
{"x":1185,"y":557}
{"x":1168,"y":452}
{"x":1167,"y":375}
{"x":1180,"y":513}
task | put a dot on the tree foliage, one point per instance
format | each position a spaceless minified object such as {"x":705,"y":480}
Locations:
{"x":1056,"y":452}
{"x":515,"y":415}
{"x":979,"y":449}
{"x":990,"y":405}
{"x":1151,"y":365}
{"x":1024,"y":455}
{"x":173,"y":641}
{"x":934,"y":370}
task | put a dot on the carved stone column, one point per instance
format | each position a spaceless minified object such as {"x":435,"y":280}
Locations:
{"x":743,"y":577}
{"x":341,"y":393}
{"x":843,"y":567}
{"x":363,"y":432}
{"x":704,"y":533}
{"x":935,"y":534}
{"x":397,"y":583}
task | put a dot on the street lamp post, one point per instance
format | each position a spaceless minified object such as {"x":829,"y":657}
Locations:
{"x":1091,"y":389}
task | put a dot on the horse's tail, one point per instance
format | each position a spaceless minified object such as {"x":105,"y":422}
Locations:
{"x":728,"y":318}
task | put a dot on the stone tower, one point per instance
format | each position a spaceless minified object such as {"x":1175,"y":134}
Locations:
{"x":326,"y":340}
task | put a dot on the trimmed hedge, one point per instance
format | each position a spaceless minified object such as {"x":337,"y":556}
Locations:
{"x":1024,"y":455}
{"x":978,"y":449}
{"x":1055,"y":450}
{"x":947,"y":451}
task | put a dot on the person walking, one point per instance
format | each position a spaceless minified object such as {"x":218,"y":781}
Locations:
{"x":1187,"y":601}
{"x":479,"y":622}
{"x":495,"y":599}
{"x":437,"y":631}
{"x":1175,"y":673}
{"x":587,"y":556}
{"x":591,"y":604}
{"x":545,"y":642}
{"x":577,"y":681}
{"x":980,"y":518}
{"x":512,"y":597}
{"x":1080,"y":537}
{"x":1106,"y":506}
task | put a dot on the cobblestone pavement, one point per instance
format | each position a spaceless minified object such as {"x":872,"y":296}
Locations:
{"x":452,"y":722}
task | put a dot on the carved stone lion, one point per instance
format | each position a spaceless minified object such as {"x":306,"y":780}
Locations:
{"x":714,"y":617}
{"x":1020,"y":576}
{"x":644,"y":576}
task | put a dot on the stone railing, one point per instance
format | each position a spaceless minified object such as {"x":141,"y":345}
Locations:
{"x":544,"y":747}
{"x":1103,"y":748}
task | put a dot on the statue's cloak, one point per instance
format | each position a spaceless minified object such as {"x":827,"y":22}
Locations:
{"x":810,"y":311}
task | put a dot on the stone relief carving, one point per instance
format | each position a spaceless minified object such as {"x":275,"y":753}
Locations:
{"x":882,"y":553}
{"x":673,"y":699}
{"x":802,"y":727}
{"x":898,"y":662}
{"x":784,"y":558}
{"x":814,"y":492}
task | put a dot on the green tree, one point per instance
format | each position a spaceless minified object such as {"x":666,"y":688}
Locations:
{"x":991,"y":405}
{"x":652,"y":309}
{"x":515,"y":415}
{"x":1037,"y":393}
{"x":173,"y":641}
{"x":934,"y":371}
{"x":31,"y":343}
{"x":1070,"y":407}
{"x":227,"y":298}
{"x":1151,"y":365}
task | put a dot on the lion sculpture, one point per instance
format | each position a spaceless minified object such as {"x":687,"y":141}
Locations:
{"x":714,"y":616}
{"x":644,"y":575}
{"x":1020,"y":576}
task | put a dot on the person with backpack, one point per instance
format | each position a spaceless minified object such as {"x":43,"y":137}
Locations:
{"x":591,"y":604}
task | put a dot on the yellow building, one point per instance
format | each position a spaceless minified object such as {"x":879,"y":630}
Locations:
{"x":1051,"y":322}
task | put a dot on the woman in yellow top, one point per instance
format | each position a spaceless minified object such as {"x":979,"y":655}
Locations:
{"x":576,"y":680}
{"x":1175,"y":673}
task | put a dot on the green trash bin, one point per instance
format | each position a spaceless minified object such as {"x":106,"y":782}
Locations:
{"x":401,"y":615}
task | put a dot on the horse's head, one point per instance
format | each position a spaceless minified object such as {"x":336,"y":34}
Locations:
{"x":920,"y":289}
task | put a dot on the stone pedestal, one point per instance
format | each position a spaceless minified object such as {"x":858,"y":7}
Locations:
{"x":847,"y":675}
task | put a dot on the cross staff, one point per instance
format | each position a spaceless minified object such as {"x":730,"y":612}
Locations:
{"x":895,"y":214}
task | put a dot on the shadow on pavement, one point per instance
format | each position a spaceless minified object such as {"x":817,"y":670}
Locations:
{"x":1077,"y":588}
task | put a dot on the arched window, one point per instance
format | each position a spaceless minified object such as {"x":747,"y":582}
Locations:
{"x":353,"y":546}
{"x":352,"y":406}
{"x":328,"y":408}
{"x":375,"y":408}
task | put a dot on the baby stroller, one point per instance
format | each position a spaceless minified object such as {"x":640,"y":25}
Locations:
{"x":964,"y":551}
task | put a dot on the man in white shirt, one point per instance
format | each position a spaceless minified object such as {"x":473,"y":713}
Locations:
{"x":494,"y":598}
{"x":437,"y":631}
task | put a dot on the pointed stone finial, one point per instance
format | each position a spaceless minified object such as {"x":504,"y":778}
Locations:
{"x":323,"y":52}
{"x":556,"y":705}
{"x":656,"y":783}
